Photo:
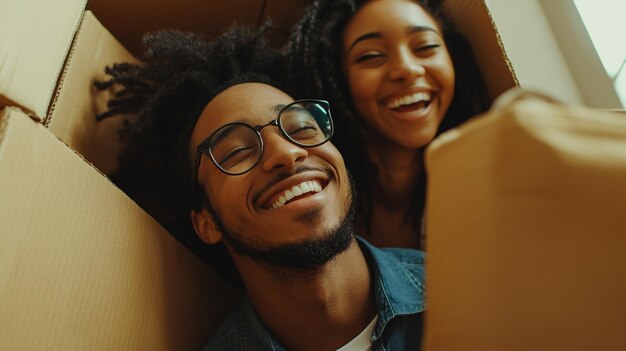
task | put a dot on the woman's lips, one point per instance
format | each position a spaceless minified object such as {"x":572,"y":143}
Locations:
{"x":408,"y":100}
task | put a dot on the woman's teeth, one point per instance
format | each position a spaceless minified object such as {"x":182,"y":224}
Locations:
{"x":409,"y":100}
{"x":311,"y":186}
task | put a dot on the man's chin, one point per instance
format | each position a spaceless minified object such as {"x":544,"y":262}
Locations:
{"x":309,"y":253}
{"x":314,"y":250}
{"x":311,"y":217}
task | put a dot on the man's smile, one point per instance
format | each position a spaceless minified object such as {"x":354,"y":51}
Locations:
{"x":296,"y":192}
{"x":301,"y":185}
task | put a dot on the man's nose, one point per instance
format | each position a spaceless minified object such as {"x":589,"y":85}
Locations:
{"x":279,"y":153}
{"x":405,"y":66}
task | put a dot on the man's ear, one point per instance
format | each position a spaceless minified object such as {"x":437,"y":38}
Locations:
{"x":204,"y":224}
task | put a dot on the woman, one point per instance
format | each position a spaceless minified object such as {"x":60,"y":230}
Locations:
{"x":397,"y":75}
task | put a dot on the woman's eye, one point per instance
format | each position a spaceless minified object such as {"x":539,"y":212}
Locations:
{"x":423,"y":48}
{"x":369,"y":57}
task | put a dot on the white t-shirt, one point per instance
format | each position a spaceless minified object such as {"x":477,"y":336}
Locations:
{"x":363,"y":341}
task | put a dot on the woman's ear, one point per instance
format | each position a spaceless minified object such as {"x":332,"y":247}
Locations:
{"x":204,"y":224}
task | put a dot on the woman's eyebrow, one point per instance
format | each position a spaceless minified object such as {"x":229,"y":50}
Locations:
{"x":419,"y":29}
{"x":378,"y":35}
{"x":372,"y":35}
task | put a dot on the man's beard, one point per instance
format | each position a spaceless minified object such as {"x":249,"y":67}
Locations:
{"x":307,"y":254}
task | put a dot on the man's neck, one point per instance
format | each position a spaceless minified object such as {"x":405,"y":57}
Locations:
{"x":318,"y":310}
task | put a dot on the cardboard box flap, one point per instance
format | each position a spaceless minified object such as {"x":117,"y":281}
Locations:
{"x":72,"y":116}
{"x":82,"y":267}
{"x":473,"y":19}
{"x":35,"y":37}
{"x":526,"y":231}
{"x":130,"y":20}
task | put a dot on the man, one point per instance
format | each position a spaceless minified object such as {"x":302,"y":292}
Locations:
{"x":275,"y":192}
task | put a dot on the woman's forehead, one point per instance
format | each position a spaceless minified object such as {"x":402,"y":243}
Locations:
{"x":379,"y":15}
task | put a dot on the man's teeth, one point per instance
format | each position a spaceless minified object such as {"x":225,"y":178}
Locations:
{"x":409,"y":99}
{"x":297,"y":190}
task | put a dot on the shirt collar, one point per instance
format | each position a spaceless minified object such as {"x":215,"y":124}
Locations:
{"x":398,"y":278}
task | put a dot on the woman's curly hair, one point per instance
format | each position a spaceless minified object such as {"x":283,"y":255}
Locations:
{"x":179,"y":74}
{"x":314,"y":57}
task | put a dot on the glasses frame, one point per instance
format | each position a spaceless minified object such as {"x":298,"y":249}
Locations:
{"x":204,"y":147}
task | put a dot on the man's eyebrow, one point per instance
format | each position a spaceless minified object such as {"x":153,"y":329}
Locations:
{"x":224,"y":134}
{"x":278,"y":107}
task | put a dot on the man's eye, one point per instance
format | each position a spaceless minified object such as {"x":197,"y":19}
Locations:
{"x":236,"y":155}
{"x":305,"y":132}
{"x":302,"y":129}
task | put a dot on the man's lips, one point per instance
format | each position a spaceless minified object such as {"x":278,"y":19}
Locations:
{"x":308,"y":179}
{"x":298,"y":191}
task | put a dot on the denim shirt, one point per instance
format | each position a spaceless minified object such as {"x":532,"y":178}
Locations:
{"x":398,"y":278}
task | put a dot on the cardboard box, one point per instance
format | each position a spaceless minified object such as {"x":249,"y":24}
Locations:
{"x":70,"y":109}
{"x":82,"y":267}
{"x":526,"y":231}
{"x":35,"y":37}
{"x":532,"y":48}
{"x":72,"y":119}
{"x":473,"y":19}
{"x":129,"y":22}
{"x":72,"y":115}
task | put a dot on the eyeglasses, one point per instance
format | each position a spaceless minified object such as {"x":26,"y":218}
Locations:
{"x":235,"y":148}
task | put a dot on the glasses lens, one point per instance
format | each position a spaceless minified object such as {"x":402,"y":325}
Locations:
{"x":307,"y":123}
{"x":236,"y":148}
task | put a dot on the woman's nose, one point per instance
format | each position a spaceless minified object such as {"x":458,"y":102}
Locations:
{"x":279,"y":153}
{"x":405,"y":66}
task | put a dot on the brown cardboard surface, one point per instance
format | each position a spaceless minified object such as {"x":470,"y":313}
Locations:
{"x":35,"y":37}
{"x":81,"y":266}
{"x":473,"y":20}
{"x":73,"y":113}
{"x":130,"y":20}
{"x":526,"y":232}
{"x":284,"y":14}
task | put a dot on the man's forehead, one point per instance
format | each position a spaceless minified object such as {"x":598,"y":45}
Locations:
{"x":252,"y":103}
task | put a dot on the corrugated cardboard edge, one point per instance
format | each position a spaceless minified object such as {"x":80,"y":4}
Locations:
{"x":63,"y":69}
{"x":476,"y":24}
{"x":5,"y":113}
{"x":3,"y":124}
{"x":37,"y":110}
{"x":5,"y":102}
{"x":5,"y":117}
{"x":505,"y":56}
{"x":78,"y":102}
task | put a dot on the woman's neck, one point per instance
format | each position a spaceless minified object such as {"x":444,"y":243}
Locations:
{"x":391,"y":223}
{"x":398,"y":171}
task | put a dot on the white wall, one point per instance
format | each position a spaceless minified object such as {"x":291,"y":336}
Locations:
{"x":594,"y":84}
